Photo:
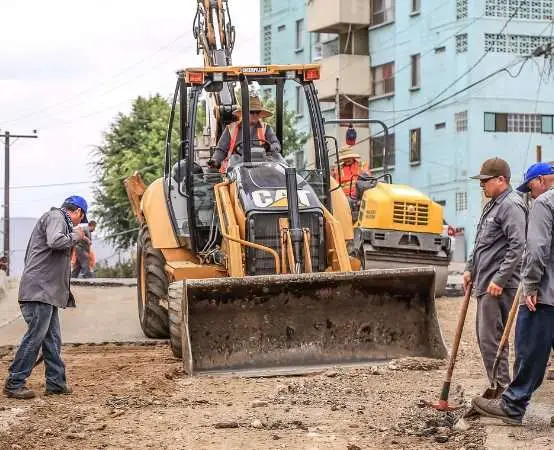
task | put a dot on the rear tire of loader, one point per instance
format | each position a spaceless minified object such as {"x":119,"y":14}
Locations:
{"x":152,"y":286}
{"x":174,"y":300}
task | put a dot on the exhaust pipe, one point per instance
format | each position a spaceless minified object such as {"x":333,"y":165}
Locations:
{"x":294,"y":217}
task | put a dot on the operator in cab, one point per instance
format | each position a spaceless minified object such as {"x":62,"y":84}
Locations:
{"x":260,"y":133}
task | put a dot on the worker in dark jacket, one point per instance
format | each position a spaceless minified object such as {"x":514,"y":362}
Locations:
{"x":495,"y":263}
{"x":534,"y":337}
{"x":260,"y":134}
{"x":43,"y":289}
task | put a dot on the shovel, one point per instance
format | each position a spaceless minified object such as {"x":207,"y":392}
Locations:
{"x":442,"y":404}
{"x":494,"y":391}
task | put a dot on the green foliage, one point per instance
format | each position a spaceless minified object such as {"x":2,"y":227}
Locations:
{"x":293,"y":139}
{"x":126,"y":269}
{"x":133,"y":142}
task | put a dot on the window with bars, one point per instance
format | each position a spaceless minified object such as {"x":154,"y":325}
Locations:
{"x":267,"y":44}
{"x":267,"y":7}
{"x":515,"y":123}
{"x":415,"y":146}
{"x":382,"y":80}
{"x":520,"y":9}
{"x":382,"y":11}
{"x":416,"y":71}
{"x":460,"y":118}
{"x":376,"y":155}
{"x":461,"y":9}
{"x":461,"y":201}
{"x":461,"y":43}
{"x":299,"y":34}
{"x":519,"y":44}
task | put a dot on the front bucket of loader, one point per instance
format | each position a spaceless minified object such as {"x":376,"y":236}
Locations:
{"x":309,"y":319}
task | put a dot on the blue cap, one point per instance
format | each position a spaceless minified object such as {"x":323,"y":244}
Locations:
{"x":536,"y":170}
{"x":79,"y":202}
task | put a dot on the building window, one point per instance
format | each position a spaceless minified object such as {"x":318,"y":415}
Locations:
{"x":281,"y":28}
{"x":416,"y":69}
{"x":460,"y":118}
{"x":299,"y":101}
{"x":415,"y":146}
{"x":382,"y":80}
{"x":441,"y":49}
{"x":267,"y":8}
{"x":518,"y":44}
{"x":533,"y":10}
{"x":415,"y":6}
{"x":440,"y":125}
{"x":514,"y":122}
{"x":376,"y":156}
{"x":548,"y":124}
{"x":382,"y":11}
{"x":461,"y":9}
{"x":299,"y":34}
{"x":267,"y":44}
{"x":461,"y":201}
{"x":461,"y":43}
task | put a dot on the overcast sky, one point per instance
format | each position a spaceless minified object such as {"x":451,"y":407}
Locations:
{"x":68,"y":67}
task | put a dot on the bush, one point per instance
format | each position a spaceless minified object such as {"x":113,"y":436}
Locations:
{"x":126,"y":269}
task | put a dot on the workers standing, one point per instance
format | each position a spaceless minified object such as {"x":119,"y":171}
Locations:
{"x":494,"y":265}
{"x":83,"y":256}
{"x":43,"y":289}
{"x":534,"y":338}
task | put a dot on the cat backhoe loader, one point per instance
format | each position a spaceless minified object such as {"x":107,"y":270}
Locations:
{"x":248,"y":267}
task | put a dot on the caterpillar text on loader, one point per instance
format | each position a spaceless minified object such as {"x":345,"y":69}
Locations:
{"x":398,"y":226}
{"x":249,"y":268}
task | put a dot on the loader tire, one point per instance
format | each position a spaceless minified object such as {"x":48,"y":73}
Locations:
{"x":152,"y":287}
{"x":174,"y":301}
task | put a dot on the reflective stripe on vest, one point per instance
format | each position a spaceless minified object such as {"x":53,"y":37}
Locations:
{"x":234,"y":129}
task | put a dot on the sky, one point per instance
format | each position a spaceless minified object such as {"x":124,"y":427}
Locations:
{"x":69,"y":67}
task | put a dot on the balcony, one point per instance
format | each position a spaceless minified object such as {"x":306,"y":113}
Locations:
{"x":354,"y":74}
{"x":336,"y":16}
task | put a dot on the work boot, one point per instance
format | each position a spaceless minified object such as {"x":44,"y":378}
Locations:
{"x":493,"y":408}
{"x":65,"y":391}
{"x":550,"y":374}
{"x":23,"y":393}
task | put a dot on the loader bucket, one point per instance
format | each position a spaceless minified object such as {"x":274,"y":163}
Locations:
{"x":309,"y":319}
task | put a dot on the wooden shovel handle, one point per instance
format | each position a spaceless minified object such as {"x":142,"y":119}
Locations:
{"x":509,"y":323}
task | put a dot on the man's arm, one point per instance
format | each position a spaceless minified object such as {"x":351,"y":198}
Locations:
{"x":270,"y":137}
{"x":57,"y":237}
{"x":539,"y":240}
{"x":222,"y":146}
{"x":514,"y":225}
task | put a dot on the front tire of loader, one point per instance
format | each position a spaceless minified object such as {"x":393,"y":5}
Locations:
{"x":152,"y":286}
{"x":174,"y":300}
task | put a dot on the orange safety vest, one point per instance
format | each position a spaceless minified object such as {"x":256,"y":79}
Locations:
{"x":234,"y":129}
{"x":349,"y":176}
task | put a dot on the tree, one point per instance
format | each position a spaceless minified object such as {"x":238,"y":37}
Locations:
{"x":133,"y":142}
{"x":293,"y":139}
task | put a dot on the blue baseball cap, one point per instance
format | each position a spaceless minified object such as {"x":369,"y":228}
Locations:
{"x":79,"y":202}
{"x":535,"y":171}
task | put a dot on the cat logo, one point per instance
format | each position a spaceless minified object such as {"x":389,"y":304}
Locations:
{"x":278,"y":198}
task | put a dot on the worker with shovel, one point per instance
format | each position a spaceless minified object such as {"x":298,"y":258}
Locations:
{"x":534,"y":337}
{"x":493,"y":269}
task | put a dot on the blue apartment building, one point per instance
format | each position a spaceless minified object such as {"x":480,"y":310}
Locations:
{"x":416,"y":53}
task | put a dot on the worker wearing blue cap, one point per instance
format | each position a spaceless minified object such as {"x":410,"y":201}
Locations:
{"x":534,"y":338}
{"x":44,"y":287}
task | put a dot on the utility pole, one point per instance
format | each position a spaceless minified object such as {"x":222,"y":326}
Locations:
{"x":7,"y":136}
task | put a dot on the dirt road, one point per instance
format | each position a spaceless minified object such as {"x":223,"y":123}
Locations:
{"x":135,"y":396}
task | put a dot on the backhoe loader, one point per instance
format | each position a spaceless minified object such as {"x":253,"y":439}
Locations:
{"x":248,"y":267}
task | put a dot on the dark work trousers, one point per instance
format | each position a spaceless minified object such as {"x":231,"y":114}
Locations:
{"x":534,"y":341}
{"x":492,"y":314}
{"x":82,"y":266}
{"x":43,"y":332}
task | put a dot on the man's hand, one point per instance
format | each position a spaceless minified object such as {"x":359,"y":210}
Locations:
{"x":494,"y":290}
{"x":213,"y":164}
{"x":467,"y":280}
{"x":531,"y":302}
